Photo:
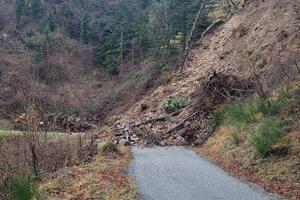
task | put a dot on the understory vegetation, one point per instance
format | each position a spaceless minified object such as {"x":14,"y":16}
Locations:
{"x":29,"y":155}
{"x":173,"y":104}
{"x":263,"y":116}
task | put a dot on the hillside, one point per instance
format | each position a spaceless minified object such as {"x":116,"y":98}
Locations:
{"x":238,"y":90}
{"x":262,"y":38}
{"x":82,"y":57}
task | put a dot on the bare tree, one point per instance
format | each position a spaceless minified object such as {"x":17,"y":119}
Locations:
{"x":31,"y":134}
{"x":189,"y":39}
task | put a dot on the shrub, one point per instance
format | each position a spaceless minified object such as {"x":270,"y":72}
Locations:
{"x":218,"y":116}
{"x":106,"y":148}
{"x":240,"y":113}
{"x":267,"y":134}
{"x":52,"y":73}
{"x":173,"y":104}
{"x":24,"y":188}
{"x":32,"y":42}
{"x":271,"y":107}
{"x":5,"y":125}
{"x":166,"y":68}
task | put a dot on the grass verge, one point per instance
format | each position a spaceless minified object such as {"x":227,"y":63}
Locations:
{"x":105,"y":178}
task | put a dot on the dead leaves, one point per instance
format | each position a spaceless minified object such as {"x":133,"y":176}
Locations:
{"x":103,"y":179}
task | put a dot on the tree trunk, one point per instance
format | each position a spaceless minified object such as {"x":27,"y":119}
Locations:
{"x":188,"y":41}
{"x":132,"y":58}
{"x":34,"y":161}
{"x":121,"y":48}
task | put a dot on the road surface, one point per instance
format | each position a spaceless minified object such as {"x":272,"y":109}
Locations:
{"x":176,"y":173}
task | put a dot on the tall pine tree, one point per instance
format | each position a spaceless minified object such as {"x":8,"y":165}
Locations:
{"x":84,"y":28}
{"x":19,"y":10}
{"x":36,"y":7}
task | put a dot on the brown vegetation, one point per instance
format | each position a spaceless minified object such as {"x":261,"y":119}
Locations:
{"x":105,"y":178}
{"x":33,"y":152}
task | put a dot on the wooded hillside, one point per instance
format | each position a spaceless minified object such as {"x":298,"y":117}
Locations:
{"x":78,"y":56}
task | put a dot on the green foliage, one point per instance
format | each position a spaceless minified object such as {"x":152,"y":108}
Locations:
{"x":271,"y":107}
{"x":24,"y":188}
{"x":19,"y":11}
{"x":269,"y":132}
{"x":66,"y":11}
{"x":218,"y":116}
{"x":133,"y":29}
{"x":84,"y":28}
{"x":32,"y":42}
{"x":5,"y":125}
{"x":36,"y":7}
{"x":166,"y":68}
{"x":173,"y":104}
{"x":50,"y":24}
{"x":265,"y":114}
{"x":239,"y":113}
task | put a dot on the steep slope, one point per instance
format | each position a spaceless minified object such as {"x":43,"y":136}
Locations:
{"x":262,"y":38}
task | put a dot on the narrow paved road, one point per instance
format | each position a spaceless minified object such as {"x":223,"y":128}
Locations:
{"x":176,"y":173}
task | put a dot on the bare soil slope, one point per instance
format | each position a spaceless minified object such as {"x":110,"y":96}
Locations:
{"x":263,"y":36}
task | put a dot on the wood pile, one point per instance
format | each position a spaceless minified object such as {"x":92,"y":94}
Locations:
{"x":57,"y":122}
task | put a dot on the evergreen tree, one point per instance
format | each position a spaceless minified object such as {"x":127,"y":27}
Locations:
{"x":36,"y":7}
{"x":50,"y":23}
{"x":132,"y":29}
{"x":19,"y":10}
{"x":84,"y":28}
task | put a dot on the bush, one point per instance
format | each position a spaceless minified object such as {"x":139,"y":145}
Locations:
{"x":165,"y":68}
{"x":106,"y":148}
{"x":5,"y":125}
{"x":268,"y":133}
{"x":270,"y":107}
{"x":245,"y":113}
{"x":52,"y":73}
{"x":32,"y":42}
{"x":173,"y":104}
{"x":238,"y":113}
{"x":218,"y":116}
{"x":24,"y":188}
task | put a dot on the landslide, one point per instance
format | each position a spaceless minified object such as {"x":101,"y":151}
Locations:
{"x":254,"y":50}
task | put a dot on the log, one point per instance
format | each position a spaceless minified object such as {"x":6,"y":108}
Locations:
{"x":180,"y":123}
{"x":212,"y":27}
{"x":160,"y":118}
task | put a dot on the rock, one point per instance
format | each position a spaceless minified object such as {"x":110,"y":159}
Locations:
{"x":122,"y":142}
{"x":162,"y":143}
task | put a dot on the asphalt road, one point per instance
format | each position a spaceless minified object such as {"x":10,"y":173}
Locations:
{"x":176,"y":173}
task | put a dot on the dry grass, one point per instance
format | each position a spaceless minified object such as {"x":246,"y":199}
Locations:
{"x":105,"y":178}
{"x":53,"y":153}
